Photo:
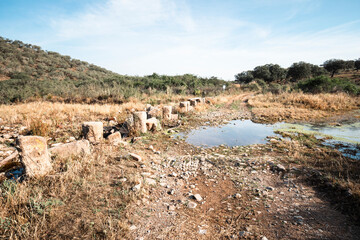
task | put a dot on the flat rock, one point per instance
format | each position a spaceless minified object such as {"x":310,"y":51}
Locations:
{"x":192,"y":205}
{"x":115,"y":138}
{"x":67,"y":150}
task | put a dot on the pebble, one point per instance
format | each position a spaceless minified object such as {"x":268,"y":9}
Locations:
{"x":192,"y":205}
{"x":198,"y":197}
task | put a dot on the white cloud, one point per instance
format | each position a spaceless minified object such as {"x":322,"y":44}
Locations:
{"x":139,"y":37}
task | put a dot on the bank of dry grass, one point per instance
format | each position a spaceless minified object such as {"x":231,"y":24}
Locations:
{"x":300,"y":106}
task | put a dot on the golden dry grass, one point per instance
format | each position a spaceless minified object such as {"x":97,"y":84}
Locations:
{"x":301,"y":106}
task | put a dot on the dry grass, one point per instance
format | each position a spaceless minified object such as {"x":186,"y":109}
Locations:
{"x":83,"y":200}
{"x":301,"y":106}
{"x":326,"y":168}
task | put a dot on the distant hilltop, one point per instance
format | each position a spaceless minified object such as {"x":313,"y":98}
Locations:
{"x":21,"y":60}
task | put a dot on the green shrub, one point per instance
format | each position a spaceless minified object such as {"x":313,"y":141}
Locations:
{"x":325,"y":84}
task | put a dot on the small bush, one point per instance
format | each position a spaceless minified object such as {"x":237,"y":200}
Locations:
{"x":39,"y":128}
{"x":325,"y":84}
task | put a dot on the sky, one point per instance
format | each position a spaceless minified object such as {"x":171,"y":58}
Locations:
{"x":203,"y":37}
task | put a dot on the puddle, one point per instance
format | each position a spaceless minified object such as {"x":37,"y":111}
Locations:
{"x":346,"y":137}
{"x":235,"y":133}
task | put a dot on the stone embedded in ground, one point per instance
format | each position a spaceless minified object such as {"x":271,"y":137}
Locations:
{"x":184,"y":106}
{"x":135,"y":157}
{"x":93,"y":131}
{"x":172,"y":208}
{"x":153,"y":112}
{"x":67,"y":150}
{"x":140,"y":121}
{"x":198,"y":197}
{"x":237,"y":195}
{"x":115,"y":138}
{"x":153,"y":124}
{"x":150,"y":181}
{"x":192,"y":205}
{"x":167,"y":112}
{"x":280,"y":168}
{"x":34,"y":155}
{"x":174,"y":117}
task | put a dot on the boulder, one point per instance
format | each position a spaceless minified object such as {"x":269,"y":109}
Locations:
{"x":115,"y":138}
{"x":167,"y":111}
{"x":153,"y":124}
{"x":140,"y":121}
{"x":34,"y":155}
{"x":67,"y":150}
{"x":93,"y":131}
{"x":153,"y":112}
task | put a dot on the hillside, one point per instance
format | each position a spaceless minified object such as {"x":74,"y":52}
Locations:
{"x":26,"y":61}
{"x":28,"y":73}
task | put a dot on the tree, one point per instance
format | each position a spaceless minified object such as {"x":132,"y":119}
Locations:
{"x":269,"y":72}
{"x":317,"y":71}
{"x":334,"y":65}
{"x":300,"y":70}
{"x":357,"y":64}
{"x":349,"y":65}
{"x":244,"y":77}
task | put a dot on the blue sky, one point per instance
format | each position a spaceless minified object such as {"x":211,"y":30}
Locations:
{"x":203,"y":37}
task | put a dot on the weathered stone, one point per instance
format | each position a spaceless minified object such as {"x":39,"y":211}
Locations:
{"x":93,"y":131}
{"x":140,"y":121}
{"x":135,"y":157}
{"x":198,"y":197}
{"x":67,"y":150}
{"x":9,"y":161}
{"x":192,"y":205}
{"x":167,"y":111}
{"x":34,"y":155}
{"x":150,"y":181}
{"x":184,"y":106}
{"x":153,"y":112}
{"x":172,"y":208}
{"x":174,"y":116}
{"x":153,"y":124}
{"x":115,"y":138}
{"x":193,"y":102}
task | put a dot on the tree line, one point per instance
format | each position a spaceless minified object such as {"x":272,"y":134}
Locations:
{"x":297,"y":71}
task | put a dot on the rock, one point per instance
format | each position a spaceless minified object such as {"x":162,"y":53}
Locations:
{"x":153,"y":112}
{"x":72,"y":139}
{"x":171,"y":192}
{"x":34,"y":156}
{"x":167,"y":112}
{"x":135,"y":157}
{"x":198,"y":197}
{"x":264,"y":238}
{"x":174,"y":117}
{"x":9,"y":161}
{"x":93,"y":131}
{"x":136,"y":187}
{"x":115,"y":138}
{"x":140,"y":119}
{"x":172,"y":208}
{"x":280,"y":168}
{"x":237,"y":195}
{"x":202,"y":231}
{"x":150,"y":181}
{"x":132,"y":228}
{"x":67,"y":150}
{"x":7,"y":136}
{"x":153,"y":124}
{"x":192,"y":205}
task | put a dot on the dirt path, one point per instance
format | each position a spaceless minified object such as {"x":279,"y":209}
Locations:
{"x":245,"y":195}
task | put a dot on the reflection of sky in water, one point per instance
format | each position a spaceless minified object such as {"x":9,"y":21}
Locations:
{"x":240,"y":133}
{"x":235,"y":133}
